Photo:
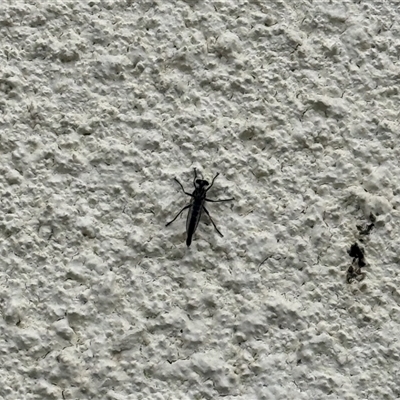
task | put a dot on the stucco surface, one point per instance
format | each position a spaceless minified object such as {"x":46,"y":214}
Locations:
{"x":294,"y":103}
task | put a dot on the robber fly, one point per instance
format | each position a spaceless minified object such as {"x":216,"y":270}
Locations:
{"x":196,"y":206}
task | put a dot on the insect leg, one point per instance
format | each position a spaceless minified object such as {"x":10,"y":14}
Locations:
{"x":180,"y":212}
{"x":209,"y":216}
{"x":180,"y":184}
{"x":212,"y":182}
{"x":220,"y":200}
{"x":195,"y":176}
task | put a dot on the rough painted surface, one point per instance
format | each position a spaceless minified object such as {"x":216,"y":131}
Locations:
{"x":102,"y":103}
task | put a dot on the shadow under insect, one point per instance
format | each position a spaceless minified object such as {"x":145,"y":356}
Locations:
{"x":197,"y":206}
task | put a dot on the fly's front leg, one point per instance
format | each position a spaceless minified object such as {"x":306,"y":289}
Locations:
{"x":180,"y":184}
{"x":212,"y":182}
{"x":209,"y":216}
{"x":220,"y":200}
{"x":195,"y":177}
{"x":180,"y":212}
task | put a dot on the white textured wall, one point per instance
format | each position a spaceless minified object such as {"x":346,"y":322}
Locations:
{"x":103,"y":103}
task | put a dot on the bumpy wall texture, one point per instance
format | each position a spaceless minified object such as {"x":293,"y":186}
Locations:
{"x":295,"y":104}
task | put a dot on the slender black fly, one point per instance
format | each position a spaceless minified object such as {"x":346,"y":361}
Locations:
{"x":196,"y":206}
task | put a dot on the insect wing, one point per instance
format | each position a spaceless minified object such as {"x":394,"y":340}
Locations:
{"x":193,"y":219}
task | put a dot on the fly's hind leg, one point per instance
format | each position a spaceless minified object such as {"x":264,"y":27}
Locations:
{"x":179,"y":213}
{"x":209,"y":216}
